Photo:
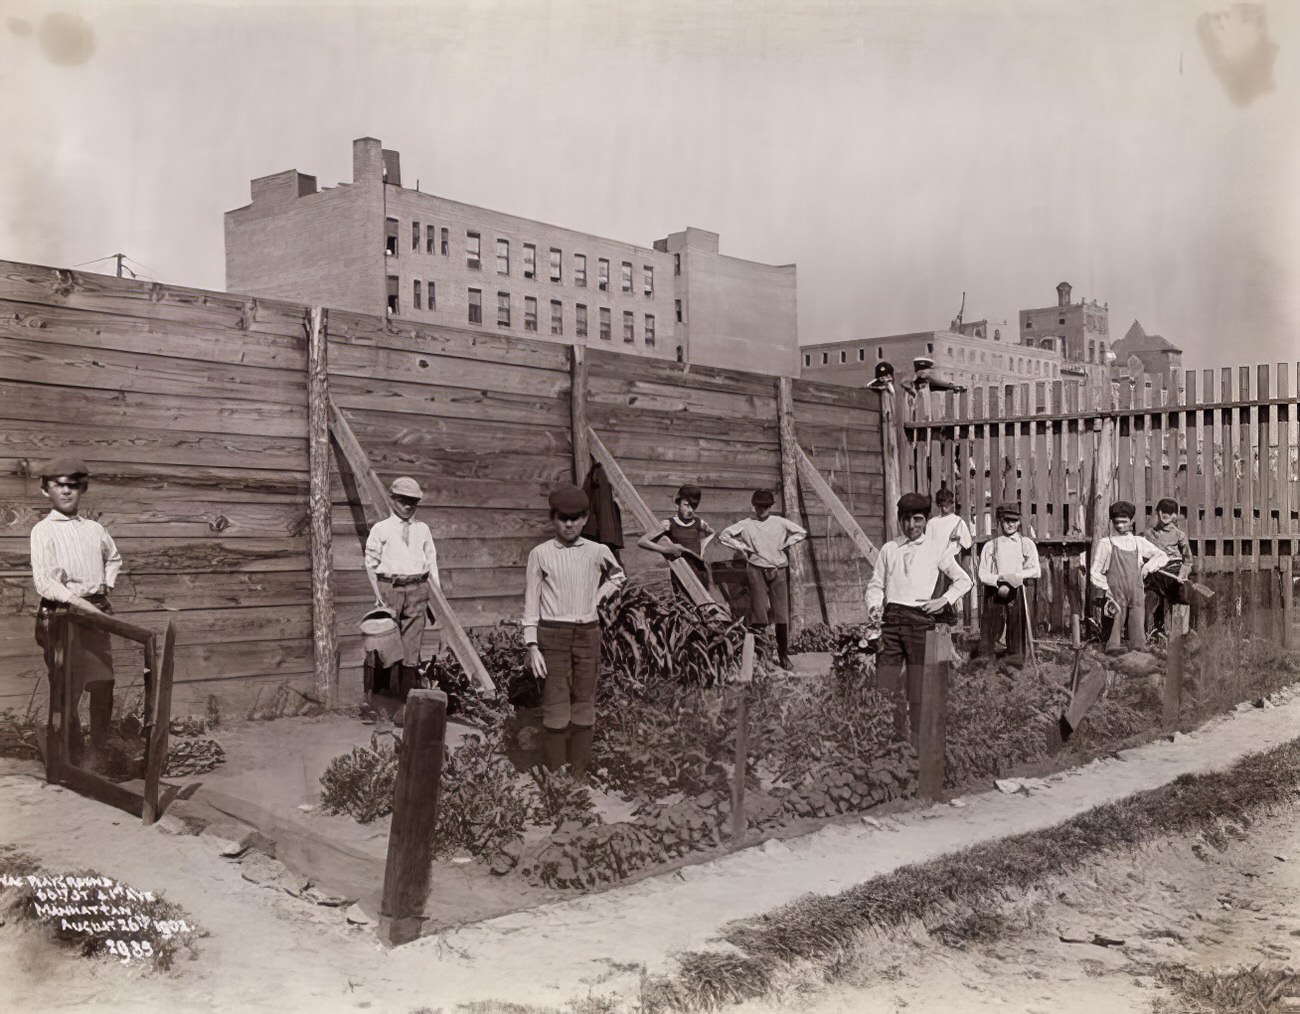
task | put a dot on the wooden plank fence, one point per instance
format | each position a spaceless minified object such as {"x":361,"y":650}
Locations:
{"x":191,"y":408}
{"x":1223,"y":443}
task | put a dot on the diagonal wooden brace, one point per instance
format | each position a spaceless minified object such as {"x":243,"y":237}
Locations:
{"x":809,"y":474}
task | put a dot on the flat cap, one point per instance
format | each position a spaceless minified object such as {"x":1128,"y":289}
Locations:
{"x":1008,"y":509}
{"x":569,"y":499}
{"x":690,"y":493}
{"x":762,"y":498}
{"x":1122,"y":509}
{"x":913,"y":503}
{"x":406,"y":486}
{"x":884,"y":370}
{"x":57,"y":467}
{"x":1167,"y":504}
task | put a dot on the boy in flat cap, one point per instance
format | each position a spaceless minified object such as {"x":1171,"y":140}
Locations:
{"x":74,"y":563}
{"x":685,"y":534}
{"x":401,"y":560}
{"x":1120,"y":561}
{"x":1167,"y":586}
{"x":763,"y":539}
{"x":901,"y":599}
{"x":1007,"y":561}
{"x":567,"y":579}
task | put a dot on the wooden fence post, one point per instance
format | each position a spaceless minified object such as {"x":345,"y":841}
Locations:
{"x":320,"y":533}
{"x":415,"y":816}
{"x":790,"y":498}
{"x":578,"y":404}
{"x":889,"y":449}
{"x":1173,"y":681}
{"x":742,"y":741}
{"x":931,"y":738}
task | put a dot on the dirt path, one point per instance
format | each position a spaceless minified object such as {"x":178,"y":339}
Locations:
{"x":269,"y":951}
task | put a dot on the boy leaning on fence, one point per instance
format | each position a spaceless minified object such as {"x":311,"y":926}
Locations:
{"x":1167,"y":587}
{"x":684,"y":535}
{"x":75,"y":563}
{"x":566,"y":580}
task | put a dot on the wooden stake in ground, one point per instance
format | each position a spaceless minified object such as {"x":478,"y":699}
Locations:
{"x":790,"y":498}
{"x":931,"y":738}
{"x":320,"y":532}
{"x":742,"y":740}
{"x":1173,"y":680}
{"x":415,"y":816}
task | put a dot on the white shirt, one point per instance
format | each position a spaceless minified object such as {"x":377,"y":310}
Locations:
{"x":906,"y":573}
{"x":950,"y":530}
{"x":1154,"y":556}
{"x":398,"y":548}
{"x":567,"y":583}
{"x":1008,"y":556}
{"x":72,"y":557}
{"x":763,"y":542}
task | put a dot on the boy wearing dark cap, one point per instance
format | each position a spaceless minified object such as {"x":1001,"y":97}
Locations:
{"x":74,"y":562}
{"x":1120,"y":562}
{"x":1167,"y":586}
{"x":567,"y":579}
{"x":1007,"y":561}
{"x":685,"y":534}
{"x":401,"y":560}
{"x":901,"y":599}
{"x":763,"y":539}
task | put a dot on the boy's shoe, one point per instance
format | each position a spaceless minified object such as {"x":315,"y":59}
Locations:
{"x":785,"y":663}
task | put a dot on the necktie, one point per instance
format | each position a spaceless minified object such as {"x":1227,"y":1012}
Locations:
{"x":406,"y":533}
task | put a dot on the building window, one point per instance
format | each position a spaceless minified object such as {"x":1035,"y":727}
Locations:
{"x":1092,"y":350}
{"x":393,"y":282}
{"x":1061,"y":321}
{"x":415,"y":237}
{"x":503,"y":257}
{"x":557,"y":317}
{"x":415,"y":294}
{"x":580,"y":321}
{"x":1028,"y":322}
{"x":629,"y":329}
{"x":929,"y":347}
{"x":649,"y":273}
{"x":649,"y":328}
{"x":880,"y":352}
{"x":605,"y":329}
{"x":476,"y":306}
{"x":677,"y":303}
{"x":530,"y":313}
{"x":580,"y":270}
{"x":807,"y":359}
{"x":862,"y":355}
{"x":557,"y":263}
{"x":530,"y":260}
{"x":430,"y":239}
{"x":431,"y":292}
{"x":503,"y":309}
{"x":1101,"y":348}
{"x":390,"y":237}
{"x":446,"y":243}
{"x":825,"y":358}
{"x":844,"y":356}
{"x":677,"y":264}
{"x":626,"y":276}
{"x":950,"y":352}
{"x":681,"y":358}
{"x":602,"y":275}
{"x":472,"y":249}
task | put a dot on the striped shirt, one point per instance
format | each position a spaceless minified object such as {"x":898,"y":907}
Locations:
{"x":72,"y":557}
{"x":567,"y":583}
{"x":397,"y":548}
{"x":763,"y":542}
{"x":906,"y":573}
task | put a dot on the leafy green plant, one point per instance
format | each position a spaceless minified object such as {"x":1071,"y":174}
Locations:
{"x":361,"y":783}
{"x":650,"y":637}
{"x":815,"y":637}
{"x":562,"y":799}
{"x":484,"y":803}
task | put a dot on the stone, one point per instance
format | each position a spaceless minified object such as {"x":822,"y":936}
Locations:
{"x":169,"y":824}
{"x":357,"y":917}
{"x":1135,"y":664}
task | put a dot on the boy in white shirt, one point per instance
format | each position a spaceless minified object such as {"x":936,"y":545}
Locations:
{"x":1007,"y":561}
{"x":949,"y":528}
{"x":763,"y":539}
{"x":900,"y":597}
{"x":1120,"y":562}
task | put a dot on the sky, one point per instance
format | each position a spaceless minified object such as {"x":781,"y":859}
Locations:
{"x":900,"y":153}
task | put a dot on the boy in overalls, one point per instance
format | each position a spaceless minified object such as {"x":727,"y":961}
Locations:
{"x":1120,"y":562}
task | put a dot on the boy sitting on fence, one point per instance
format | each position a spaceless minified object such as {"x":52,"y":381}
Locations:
{"x":1167,"y":587}
{"x":1120,"y":561}
{"x":763,"y":539}
{"x":400,"y":561}
{"x":900,"y":598}
{"x":567,"y":579}
{"x":684,"y":534}
{"x":74,"y":562}
{"x":1007,"y":561}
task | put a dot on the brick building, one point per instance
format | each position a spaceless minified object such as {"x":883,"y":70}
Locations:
{"x":1147,"y":357}
{"x":1079,"y":331}
{"x":375,"y":246}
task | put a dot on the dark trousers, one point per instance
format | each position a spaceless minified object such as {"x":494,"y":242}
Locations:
{"x":769,"y":595}
{"x":902,"y":657}
{"x":997,"y":616}
{"x":1163,"y":590}
{"x":572,"y":654}
{"x":89,"y":670}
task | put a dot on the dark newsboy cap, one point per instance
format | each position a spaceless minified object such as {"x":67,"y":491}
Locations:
{"x":762,"y":498}
{"x":913,"y":503}
{"x":1008,"y":510}
{"x":56,"y":468}
{"x":1122,"y":509}
{"x":1168,"y":505}
{"x":569,"y":499}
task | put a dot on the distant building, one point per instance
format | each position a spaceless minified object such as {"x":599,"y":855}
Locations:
{"x":374,"y":246}
{"x":1079,"y":331}
{"x":1142,"y":356}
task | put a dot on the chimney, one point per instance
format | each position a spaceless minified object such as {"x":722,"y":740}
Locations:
{"x":367,"y":160}
{"x":1063,"y":294}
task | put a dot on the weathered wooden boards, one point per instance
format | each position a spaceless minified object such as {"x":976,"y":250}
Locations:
{"x":1223,"y":443}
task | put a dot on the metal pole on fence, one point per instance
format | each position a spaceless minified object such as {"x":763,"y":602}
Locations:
{"x":415,"y":815}
{"x":742,"y":741}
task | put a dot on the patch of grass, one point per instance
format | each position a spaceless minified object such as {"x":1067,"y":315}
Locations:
{"x":18,"y":733}
{"x":820,"y":929}
{"x":1254,"y":990}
